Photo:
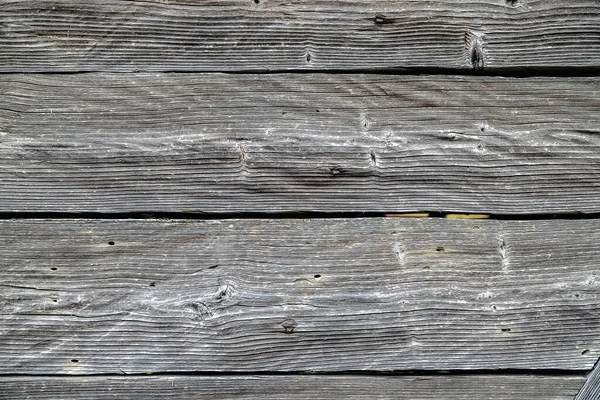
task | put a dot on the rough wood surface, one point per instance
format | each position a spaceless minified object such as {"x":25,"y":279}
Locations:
{"x":226,"y":35}
{"x":467,"y":387}
{"x":591,"y":388}
{"x":124,"y":296}
{"x":299,"y":142}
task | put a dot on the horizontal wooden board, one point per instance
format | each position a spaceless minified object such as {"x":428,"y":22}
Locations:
{"x":467,"y":387}
{"x":234,"y":35}
{"x":218,"y":143}
{"x":375,"y":294}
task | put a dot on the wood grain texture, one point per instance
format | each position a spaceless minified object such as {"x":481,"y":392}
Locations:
{"x":474,"y":387}
{"x":220,"y":143}
{"x":234,"y":35}
{"x":375,"y":294}
{"x":591,"y":388}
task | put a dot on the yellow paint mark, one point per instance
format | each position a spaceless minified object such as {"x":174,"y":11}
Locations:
{"x":467,"y":216}
{"x":408,"y":215}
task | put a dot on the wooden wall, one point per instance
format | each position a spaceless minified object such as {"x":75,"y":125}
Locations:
{"x":266,"y":199}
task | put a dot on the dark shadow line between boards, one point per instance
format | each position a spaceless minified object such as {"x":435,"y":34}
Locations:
{"x":194,"y":215}
{"x":400,"y":373}
{"x":508,"y":72}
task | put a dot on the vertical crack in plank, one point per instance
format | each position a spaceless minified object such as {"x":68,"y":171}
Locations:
{"x":474,"y":49}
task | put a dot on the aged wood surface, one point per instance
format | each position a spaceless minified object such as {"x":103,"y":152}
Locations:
{"x":220,"y":35}
{"x":299,"y":142}
{"x":463,"y":387}
{"x":125,"y":296}
{"x":591,"y":388}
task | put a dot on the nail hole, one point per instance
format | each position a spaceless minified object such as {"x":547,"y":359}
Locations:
{"x":505,"y":329}
{"x":482,"y":129}
{"x":512,"y":3}
{"x":74,"y":361}
{"x":213,"y":266}
{"x":256,"y":1}
{"x":53,"y":268}
{"x":440,"y":248}
{"x":308,"y":58}
{"x":54,"y":300}
{"x":317,"y":276}
{"x":426,"y":267}
{"x":494,"y":308}
{"x":381,"y":19}
{"x":111,"y":243}
{"x":153,"y":284}
{"x":585,"y":352}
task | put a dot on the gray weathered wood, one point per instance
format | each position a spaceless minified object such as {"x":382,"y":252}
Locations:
{"x":226,"y":35}
{"x":124,"y":296}
{"x":295,"y":142}
{"x":467,"y":387}
{"x":591,"y":388}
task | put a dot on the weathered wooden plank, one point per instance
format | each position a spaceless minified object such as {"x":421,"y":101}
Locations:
{"x":467,"y":387}
{"x":124,"y":296}
{"x":227,"y":35}
{"x":317,"y":142}
{"x":591,"y":388}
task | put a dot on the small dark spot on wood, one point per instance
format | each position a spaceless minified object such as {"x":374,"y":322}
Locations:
{"x":482,"y":129}
{"x":74,"y":361}
{"x":317,"y":110}
{"x":256,"y":1}
{"x":152,"y":284}
{"x":54,"y":300}
{"x":585,"y":352}
{"x":288,"y":326}
{"x":505,"y":329}
{"x":283,"y":113}
{"x":512,"y":3}
{"x":494,"y":308}
{"x":381,"y":19}
{"x":479,"y":147}
{"x":317,"y":276}
{"x":374,"y":160}
{"x":576,"y":294}
{"x":308,"y":58}
{"x":440,"y":248}
{"x":111,"y":243}
{"x":213,"y":266}
{"x":53,"y":268}
{"x":426,"y":267}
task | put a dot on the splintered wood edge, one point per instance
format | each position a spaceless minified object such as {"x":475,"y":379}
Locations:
{"x":591,"y":387}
